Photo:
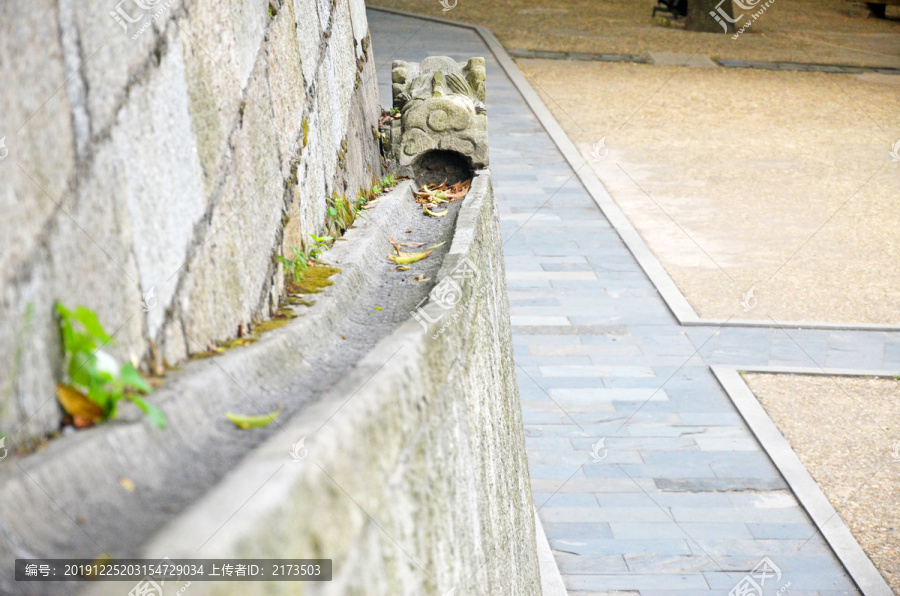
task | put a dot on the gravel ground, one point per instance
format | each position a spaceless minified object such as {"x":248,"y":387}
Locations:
{"x":824,"y":31}
{"x":846,"y":430}
{"x":741,"y":179}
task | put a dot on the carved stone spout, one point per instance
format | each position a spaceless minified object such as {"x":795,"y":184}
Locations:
{"x":443,"y":124}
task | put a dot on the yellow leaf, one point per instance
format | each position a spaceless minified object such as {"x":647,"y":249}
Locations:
{"x":433,"y":213}
{"x":247,"y":422}
{"x":77,"y":404}
{"x":407,"y":258}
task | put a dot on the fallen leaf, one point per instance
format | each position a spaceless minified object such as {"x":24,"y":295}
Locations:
{"x":84,"y":412}
{"x":402,"y":268}
{"x":377,"y":308}
{"x":247,"y":422}
{"x":412,"y":244}
{"x":409,"y":231}
{"x":421,"y":278}
{"x":433,"y":213}
{"x":437,"y":245}
{"x":127,"y":484}
{"x":407,"y":258}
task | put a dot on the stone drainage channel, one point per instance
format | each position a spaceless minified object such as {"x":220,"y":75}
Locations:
{"x":67,"y":501}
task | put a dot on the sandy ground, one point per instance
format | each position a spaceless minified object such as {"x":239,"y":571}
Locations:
{"x":826,"y":31}
{"x":738,"y":179}
{"x":846,"y":431}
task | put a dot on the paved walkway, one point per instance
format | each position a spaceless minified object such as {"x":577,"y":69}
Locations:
{"x":679,"y":498}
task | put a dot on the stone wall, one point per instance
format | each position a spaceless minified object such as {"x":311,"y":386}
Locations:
{"x":158,"y":159}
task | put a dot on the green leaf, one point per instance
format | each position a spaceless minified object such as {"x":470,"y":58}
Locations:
{"x":247,"y":422}
{"x":130,"y":377}
{"x":332,"y":211}
{"x":153,"y":412}
{"x":91,"y":324}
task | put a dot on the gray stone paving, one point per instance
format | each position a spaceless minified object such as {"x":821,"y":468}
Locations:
{"x":679,"y":498}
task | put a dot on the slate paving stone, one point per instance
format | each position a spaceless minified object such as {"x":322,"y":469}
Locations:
{"x":591,"y":564}
{"x":610,"y":546}
{"x":639,"y":581}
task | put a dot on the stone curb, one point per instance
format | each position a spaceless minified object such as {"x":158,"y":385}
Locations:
{"x":675,"y":300}
{"x":551,"y":579}
{"x":845,"y":547}
{"x":723,"y":62}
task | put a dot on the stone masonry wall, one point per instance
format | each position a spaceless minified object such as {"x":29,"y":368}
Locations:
{"x":160,"y":154}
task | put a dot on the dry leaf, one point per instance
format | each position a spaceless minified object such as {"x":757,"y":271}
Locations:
{"x":84,"y":412}
{"x":247,"y":422}
{"x":421,"y":278}
{"x":434,"y":213}
{"x":403,"y":258}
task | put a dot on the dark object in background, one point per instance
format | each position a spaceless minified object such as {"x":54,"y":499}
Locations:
{"x":676,"y":8}
{"x":877,"y":10}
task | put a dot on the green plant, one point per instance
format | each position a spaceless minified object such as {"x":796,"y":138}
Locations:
{"x":389,"y":181}
{"x":95,"y":373}
{"x":296,"y":267}
{"x":340,"y":213}
{"x":395,"y":111}
{"x":321,"y":244}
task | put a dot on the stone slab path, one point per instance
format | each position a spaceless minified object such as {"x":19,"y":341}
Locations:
{"x":678,"y":497}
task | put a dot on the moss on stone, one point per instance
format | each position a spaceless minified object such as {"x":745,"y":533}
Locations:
{"x":314,"y":282}
{"x":295,"y":300}
{"x":281,"y":318}
{"x":305,"y":125}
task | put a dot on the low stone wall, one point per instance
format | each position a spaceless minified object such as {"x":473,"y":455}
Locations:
{"x":156,"y":160}
{"x":418,"y":483}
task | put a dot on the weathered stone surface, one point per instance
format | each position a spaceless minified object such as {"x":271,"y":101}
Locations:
{"x":423,"y":432}
{"x":442,"y":107}
{"x":138,"y":145}
{"x":419,"y":484}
